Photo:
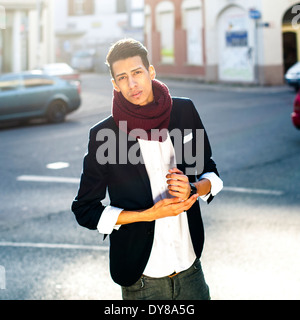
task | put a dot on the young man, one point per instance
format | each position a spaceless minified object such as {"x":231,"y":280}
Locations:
{"x":154,"y":158}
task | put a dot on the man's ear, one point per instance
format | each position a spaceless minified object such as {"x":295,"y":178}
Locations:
{"x":115,"y":85}
{"x":152,"y":72}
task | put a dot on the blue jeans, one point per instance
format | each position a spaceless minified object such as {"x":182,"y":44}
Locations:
{"x":187,"y":285}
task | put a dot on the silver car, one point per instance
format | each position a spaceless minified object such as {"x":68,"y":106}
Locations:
{"x":292,"y":76}
{"x":31,"y":95}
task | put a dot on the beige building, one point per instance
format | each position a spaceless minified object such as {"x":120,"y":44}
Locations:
{"x":26,"y":36}
{"x":267,"y":50}
{"x":83,"y":26}
{"x":241,"y":41}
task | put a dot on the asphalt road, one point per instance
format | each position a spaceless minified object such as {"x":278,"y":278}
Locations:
{"x":252,"y":248}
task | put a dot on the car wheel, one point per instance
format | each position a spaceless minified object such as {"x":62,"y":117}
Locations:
{"x":57,"y":111}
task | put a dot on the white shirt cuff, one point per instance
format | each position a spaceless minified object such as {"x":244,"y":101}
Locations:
{"x":108,"y":220}
{"x":216,"y":184}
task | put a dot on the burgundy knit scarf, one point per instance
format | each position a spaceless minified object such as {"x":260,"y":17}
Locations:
{"x":155,"y":115}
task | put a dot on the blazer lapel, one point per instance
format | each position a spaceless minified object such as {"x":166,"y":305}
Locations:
{"x":173,"y":119}
{"x":174,"y":124}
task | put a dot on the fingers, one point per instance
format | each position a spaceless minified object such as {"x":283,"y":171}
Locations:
{"x":175,"y":170}
{"x":177,"y":180}
{"x":178,"y":184}
{"x":177,"y":176}
{"x":172,"y":207}
{"x":167,"y":202}
{"x":178,"y":192}
{"x":183,"y":205}
{"x":178,"y":187}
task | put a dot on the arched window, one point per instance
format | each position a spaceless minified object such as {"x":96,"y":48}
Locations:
{"x":193,"y":24}
{"x":148,"y":30}
{"x":165,"y":25}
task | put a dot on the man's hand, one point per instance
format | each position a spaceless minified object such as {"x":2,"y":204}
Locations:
{"x":170,"y":207}
{"x":162,"y":209}
{"x":179,"y":188}
{"x":179,"y":185}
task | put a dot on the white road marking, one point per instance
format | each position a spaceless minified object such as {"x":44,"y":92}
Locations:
{"x":48,"y":179}
{"x":52,"y":246}
{"x":58,"y":165}
{"x":254,"y":191}
{"x":77,"y":180}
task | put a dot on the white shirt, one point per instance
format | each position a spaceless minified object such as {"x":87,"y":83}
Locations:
{"x":172,"y":249}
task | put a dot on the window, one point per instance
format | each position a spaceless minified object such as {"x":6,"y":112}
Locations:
{"x":194,"y":36}
{"x":81,"y":7}
{"x":167,"y":37}
{"x":137,"y":20}
{"x":121,"y":6}
{"x":31,"y":81}
{"x":137,"y":4}
{"x":165,"y":24}
{"x":9,"y":83}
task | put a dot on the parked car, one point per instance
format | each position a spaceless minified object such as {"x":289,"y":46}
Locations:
{"x":292,"y":76}
{"x":84,"y":60}
{"x":296,"y":114}
{"x":30,"y":95}
{"x":61,"y":70}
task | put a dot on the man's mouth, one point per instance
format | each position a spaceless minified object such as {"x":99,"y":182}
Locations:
{"x":136,"y":95}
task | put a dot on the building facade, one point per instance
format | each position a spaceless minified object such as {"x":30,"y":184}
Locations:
{"x":26,"y":36}
{"x":94,"y":25}
{"x":174,"y":35}
{"x":240,"y":41}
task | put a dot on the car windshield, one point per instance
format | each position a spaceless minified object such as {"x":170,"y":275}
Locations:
{"x":295,"y":67}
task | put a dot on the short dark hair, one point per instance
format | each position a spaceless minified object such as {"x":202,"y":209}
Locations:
{"x":126,"y":48}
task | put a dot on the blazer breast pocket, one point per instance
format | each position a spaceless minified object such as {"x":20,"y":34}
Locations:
{"x":187,"y":138}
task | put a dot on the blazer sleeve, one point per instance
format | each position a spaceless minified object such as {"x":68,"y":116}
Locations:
{"x":209,"y":164}
{"x":87,"y":205}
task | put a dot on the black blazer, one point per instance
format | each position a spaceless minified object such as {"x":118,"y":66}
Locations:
{"x":129,"y":188}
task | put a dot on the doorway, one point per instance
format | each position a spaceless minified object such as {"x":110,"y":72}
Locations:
{"x":236,"y":47}
{"x":290,"y":40}
{"x":290,"y":51}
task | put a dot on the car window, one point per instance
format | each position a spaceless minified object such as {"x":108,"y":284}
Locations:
{"x":31,"y":81}
{"x":9,"y":83}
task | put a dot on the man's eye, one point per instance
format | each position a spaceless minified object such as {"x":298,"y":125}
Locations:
{"x":121,"y":78}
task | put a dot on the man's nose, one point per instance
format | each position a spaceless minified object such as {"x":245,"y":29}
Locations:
{"x":131,"y":82}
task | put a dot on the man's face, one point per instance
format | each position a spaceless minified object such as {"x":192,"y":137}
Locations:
{"x":133,"y":80}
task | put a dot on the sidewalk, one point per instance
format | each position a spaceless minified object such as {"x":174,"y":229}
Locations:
{"x":197,"y":84}
{"x":104,"y":78}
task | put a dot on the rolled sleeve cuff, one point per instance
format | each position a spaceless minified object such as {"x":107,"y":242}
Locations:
{"x":108,"y":220}
{"x":216,"y":184}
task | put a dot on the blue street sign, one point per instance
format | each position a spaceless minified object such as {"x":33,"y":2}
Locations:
{"x":254,"y":14}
